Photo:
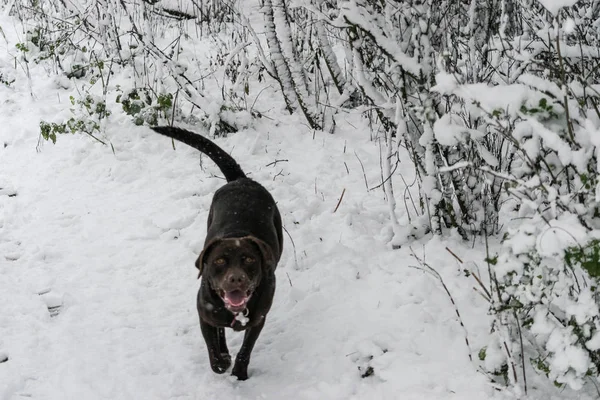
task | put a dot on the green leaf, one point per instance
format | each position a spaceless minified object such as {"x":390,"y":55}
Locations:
{"x":482,"y":353}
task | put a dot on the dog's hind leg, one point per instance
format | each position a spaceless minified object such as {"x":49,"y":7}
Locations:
{"x":240,"y":368}
{"x":219,"y":361}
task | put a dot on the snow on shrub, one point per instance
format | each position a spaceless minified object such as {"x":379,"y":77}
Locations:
{"x":543,"y":285}
{"x":541,"y":108}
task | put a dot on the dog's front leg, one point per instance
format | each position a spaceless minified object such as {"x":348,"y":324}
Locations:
{"x":240,"y":368}
{"x":223,"y":342}
{"x":219,"y":360}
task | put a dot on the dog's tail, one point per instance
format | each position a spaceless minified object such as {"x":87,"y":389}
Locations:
{"x":228,"y":166}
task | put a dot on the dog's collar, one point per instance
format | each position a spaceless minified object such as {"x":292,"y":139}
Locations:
{"x":241,"y":317}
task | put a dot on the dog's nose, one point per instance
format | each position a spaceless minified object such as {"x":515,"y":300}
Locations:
{"x":237,"y":278}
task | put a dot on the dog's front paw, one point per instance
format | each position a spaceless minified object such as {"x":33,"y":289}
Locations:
{"x":240,"y":371}
{"x":220,"y":364}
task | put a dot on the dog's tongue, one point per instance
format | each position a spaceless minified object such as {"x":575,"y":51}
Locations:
{"x":235,"y":298}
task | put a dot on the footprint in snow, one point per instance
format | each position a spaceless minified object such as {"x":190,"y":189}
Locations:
{"x":6,"y":191}
{"x":367,"y":356}
{"x":11,"y":251}
{"x":54,"y":301}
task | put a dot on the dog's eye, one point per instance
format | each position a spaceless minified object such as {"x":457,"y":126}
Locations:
{"x":249,"y":260}
{"x":219,"y":261}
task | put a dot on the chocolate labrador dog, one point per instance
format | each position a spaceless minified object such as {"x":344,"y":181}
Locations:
{"x":241,"y":251}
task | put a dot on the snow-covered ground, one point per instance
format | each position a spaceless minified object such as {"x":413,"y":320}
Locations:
{"x":98,"y":286}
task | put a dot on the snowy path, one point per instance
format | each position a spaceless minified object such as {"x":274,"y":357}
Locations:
{"x":112,"y":238}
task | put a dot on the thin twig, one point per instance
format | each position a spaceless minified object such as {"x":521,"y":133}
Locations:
{"x":512,"y":363}
{"x":340,"y":200}
{"x":522,"y":351}
{"x":488,"y":295}
{"x":275,"y":162}
{"x":293,"y":246}
{"x":430,"y":270}
{"x":454,"y":255}
{"x":363,"y":170}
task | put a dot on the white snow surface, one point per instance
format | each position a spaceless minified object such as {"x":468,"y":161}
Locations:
{"x":98,"y":285}
{"x":554,"y":6}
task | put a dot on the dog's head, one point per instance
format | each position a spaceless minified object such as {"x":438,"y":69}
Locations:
{"x":234,"y":268}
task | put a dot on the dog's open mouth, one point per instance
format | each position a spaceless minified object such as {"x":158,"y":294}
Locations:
{"x":235,"y":300}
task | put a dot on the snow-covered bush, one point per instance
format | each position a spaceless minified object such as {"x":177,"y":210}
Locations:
{"x":545,"y":299}
{"x":89,"y":42}
{"x":88,"y":113}
{"x":393,"y":53}
{"x":543,"y":291}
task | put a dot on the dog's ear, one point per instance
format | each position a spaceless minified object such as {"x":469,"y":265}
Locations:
{"x":265,"y":250}
{"x":202,"y":257}
{"x":200,"y":263}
